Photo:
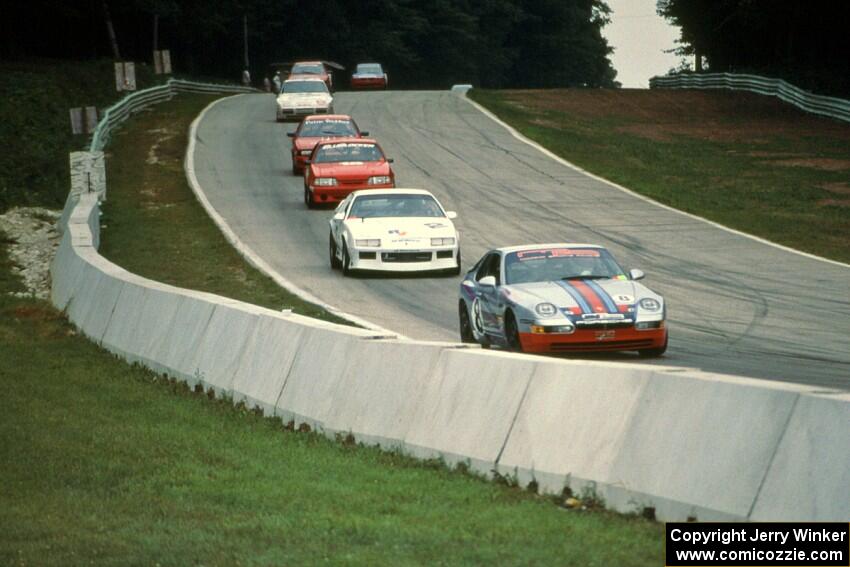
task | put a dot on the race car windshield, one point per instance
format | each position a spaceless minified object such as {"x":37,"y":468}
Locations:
{"x":301,"y":69}
{"x":304,"y":87}
{"x":553,"y":264}
{"x":369,"y":69}
{"x":327,"y":128}
{"x":372,"y":206}
{"x":347,"y":151}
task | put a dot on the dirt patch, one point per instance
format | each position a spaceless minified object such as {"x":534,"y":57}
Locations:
{"x":33,"y":238}
{"x":648,"y":131}
{"x":164,"y":134}
{"x":825,"y":164}
{"x":839,"y":187}
{"x":834,"y":203}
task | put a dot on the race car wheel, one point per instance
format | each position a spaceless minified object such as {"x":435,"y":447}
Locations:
{"x":308,"y":198}
{"x":346,"y":260}
{"x":466,"y":334}
{"x":512,"y":333}
{"x":477,"y":324}
{"x":654,"y":352}
{"x":335,"y":263}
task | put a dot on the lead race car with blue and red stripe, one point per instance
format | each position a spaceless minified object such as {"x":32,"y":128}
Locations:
{"x":560,"y":298}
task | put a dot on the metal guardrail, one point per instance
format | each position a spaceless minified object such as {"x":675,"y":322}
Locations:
{"x":816,"y":104}
{"x":120,"y":111}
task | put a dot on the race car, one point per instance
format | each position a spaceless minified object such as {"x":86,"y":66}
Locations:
{"x":312,"y":70}
{"x":315,"y":128}
{"x":340,"y":166}
{"x":301,"y":97}
{"x":369,"y":76}
{"x":555,"y":298}
{"x":400,"y":230}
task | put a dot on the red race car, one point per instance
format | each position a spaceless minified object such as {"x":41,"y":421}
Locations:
{"x":312,"y":70}
{"x":342,"y":165}
{"x":369,"y":76}
{"x":316,"y":128}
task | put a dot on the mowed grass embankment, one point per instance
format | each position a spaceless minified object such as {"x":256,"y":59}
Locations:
{"x":104,"y":463}
{"x":749,"y":162}
{"x":153,"y":226}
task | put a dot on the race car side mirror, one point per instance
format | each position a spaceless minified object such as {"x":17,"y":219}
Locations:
{"x":364,"y":132}
{"x":487,"y":281}
{"x":636,"y":274}
{"x":451,"y":215}
{"x":339,"y":216}
{"x":291,"y":134}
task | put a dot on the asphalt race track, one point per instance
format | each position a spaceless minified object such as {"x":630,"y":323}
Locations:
{"x":735,"y":305}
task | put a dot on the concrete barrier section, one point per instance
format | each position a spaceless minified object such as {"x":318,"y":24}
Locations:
{"x":572,"y":423}
{"x":323,"y":356}
{"x":176,"y":350}
{"x":809,"y":478}
{"x":383,"y":383}
{"x":467,"y":408}
{"x":266,"y":362}
{"x":92,"y":307}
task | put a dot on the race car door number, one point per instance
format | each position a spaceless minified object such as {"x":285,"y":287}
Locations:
{"x":605,"y":335}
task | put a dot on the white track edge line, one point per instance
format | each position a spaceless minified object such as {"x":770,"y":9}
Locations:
{"x":244,"y":250}
{"x":574,"y":167}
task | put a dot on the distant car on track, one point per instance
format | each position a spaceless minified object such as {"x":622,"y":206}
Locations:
{"x":400,"y":230}
{"x":312,"y":70}
{"x":369,"y":76}
{"x":560,"y":298}
{"x":301,"y":97}
{"x":319,"y":127}
{"x":340,"y":166}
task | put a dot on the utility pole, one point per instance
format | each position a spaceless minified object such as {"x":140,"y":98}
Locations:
{"x":155,"y":32}
{"x":245,"y":34}
{"x":114,"y":42}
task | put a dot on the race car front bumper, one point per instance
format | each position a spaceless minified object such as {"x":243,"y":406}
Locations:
{"x":336,"y":193}
{"x":405,"y":260}
{"x":296,"y":114}
{"x":594,"y":340}
{"x":372,"y":83}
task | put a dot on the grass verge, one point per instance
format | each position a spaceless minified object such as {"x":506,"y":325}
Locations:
{"x":34,"y":121}
{"x":746,"y":161}
{"x":105,"y":463}
{"x":154,"y":226}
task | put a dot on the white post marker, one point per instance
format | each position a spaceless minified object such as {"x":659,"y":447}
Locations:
{"x":166,"y":61}
{"x":76,"y":120}
{"x":91,"y":119}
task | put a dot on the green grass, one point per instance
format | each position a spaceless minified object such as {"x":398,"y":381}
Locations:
{"x":104,"y":463}
{"x":35,"y":124}
{"x":154,"y":225}
{"x":717,"y":155}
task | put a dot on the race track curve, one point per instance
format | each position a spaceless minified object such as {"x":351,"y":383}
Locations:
{"x":736,"y":305}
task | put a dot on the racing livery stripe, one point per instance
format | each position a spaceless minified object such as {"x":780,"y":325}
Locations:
{"x":577,"y":297}
{"x":607,"y":299}
{"x":589,"y":295}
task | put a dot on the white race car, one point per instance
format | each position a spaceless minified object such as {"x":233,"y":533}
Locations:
{"x":301,"y":97}
{"x":401,"y":230}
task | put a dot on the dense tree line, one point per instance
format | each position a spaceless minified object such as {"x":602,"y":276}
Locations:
{"x":805,"y":42}
{"x":422,"y":43}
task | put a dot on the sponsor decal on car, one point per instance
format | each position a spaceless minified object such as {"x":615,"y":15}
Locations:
{"x":543,"y":253}
{"x":397,"y":231}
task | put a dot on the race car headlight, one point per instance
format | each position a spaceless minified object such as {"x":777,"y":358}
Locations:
{"x":324,"y":181}
{"x":305,"y":152}
{"x":442,"y":241}
{"x":367,"y":242}
{"x":545,"y":309}
{"x":378,"y":180}
{"x":649,"y":304}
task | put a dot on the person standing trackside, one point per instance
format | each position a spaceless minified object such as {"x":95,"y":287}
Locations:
{"x":277,"y":82}
{"x":267,"y":84}
{"x":246,"y":78}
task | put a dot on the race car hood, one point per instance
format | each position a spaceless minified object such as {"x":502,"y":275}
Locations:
{"x":582,"y":296}
{"x":309,"y":142}
{"x":304,"y":100}
{"x":402,"y":230}
{"x":351,"y":170}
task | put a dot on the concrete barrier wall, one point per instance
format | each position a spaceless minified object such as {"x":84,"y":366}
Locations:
{"x":685,"y":443}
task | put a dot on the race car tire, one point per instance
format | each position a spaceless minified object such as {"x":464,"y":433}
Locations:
{"x":512,"y":333}
{"x":295,"y":170}
{"x":466,"y":334}
{"x":346,"y":260}
{"x":654,"y":352}
{"x":308,"y":198}
{"x":335,"y":263}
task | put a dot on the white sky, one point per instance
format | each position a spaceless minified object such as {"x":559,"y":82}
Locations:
{"x":639,"y":38}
